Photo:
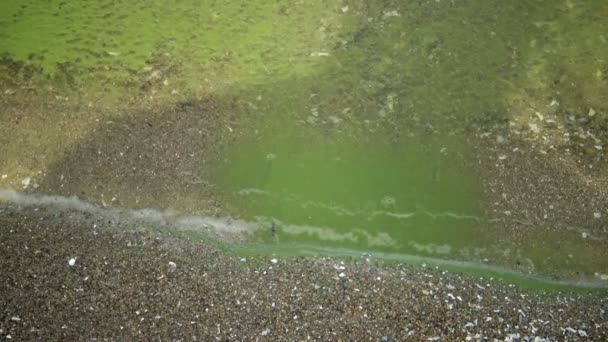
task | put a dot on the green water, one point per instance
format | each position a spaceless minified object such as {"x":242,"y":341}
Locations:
{"x":346,"y":125}
{"x":405,"y":196}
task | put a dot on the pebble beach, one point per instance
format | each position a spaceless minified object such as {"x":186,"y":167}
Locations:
{"x":71,"y":276}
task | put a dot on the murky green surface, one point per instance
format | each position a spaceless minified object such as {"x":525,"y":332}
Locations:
{"x":406,"y":196}
{"x":350,"y":125}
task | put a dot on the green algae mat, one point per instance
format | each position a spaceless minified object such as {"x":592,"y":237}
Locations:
{"x":412,"y":128}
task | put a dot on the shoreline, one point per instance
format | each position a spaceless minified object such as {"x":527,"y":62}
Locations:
{"x":234,"y":234}
{"x":73,"y":275}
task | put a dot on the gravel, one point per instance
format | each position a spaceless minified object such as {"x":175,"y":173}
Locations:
{"x":69,"y":275}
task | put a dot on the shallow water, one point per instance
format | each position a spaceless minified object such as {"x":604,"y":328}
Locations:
{"x":407,"y":196}
{"x":367,"y":126}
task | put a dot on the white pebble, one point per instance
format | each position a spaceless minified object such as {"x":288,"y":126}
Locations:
{"x":533,"y":127}
{"x":4,"y":176}
{"x":274,"y":261}
{"x":172,"y":266}
{"x":597,"y":215}
{"x":72,"y":262}
{"x":342,"y":275}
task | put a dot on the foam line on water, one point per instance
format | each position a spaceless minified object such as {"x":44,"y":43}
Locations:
{"x":172,"y":219}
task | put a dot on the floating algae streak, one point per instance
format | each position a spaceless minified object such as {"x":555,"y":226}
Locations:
{"x":313,"y":189}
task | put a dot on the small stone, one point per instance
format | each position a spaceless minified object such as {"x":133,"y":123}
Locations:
{"x":26,"y":182}
{"x":4,"y":176}
{"x":342,"y":275}
{"x":393,"y":13}
{"x":265,"y":332}
{"x":311,"y":120}
{"x":533,"y":127}
{"x":334,"y":119}
{"x":172,"y":266}
{"x":584,"y":235}
{"x":597,"y":215}
{"x":15,"y":319}
{"x":550,"y":123}
{"x":72,"y":262}
{"x":243,"y":259}
{"x":591,"y":112}
{"x":274,"y":261}
{"x":502,"y":157}
{"x":500,"y":139}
